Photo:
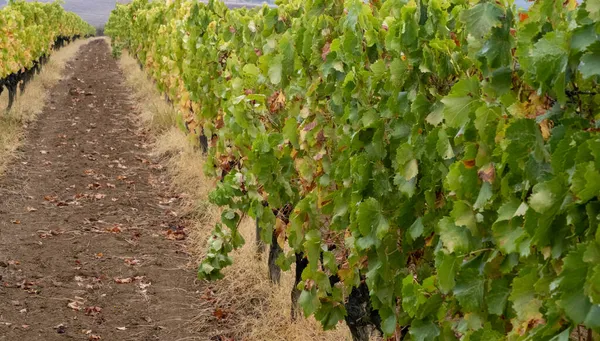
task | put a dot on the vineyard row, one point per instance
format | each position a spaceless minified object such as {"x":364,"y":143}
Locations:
{"x":432,"y":167}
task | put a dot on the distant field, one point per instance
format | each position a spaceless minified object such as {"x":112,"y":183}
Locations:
{"x":96,"y":12}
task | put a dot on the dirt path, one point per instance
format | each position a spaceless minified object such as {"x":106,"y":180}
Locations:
{"x":83,"y":209}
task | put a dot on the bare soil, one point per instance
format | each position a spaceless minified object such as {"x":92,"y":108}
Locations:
{"x":90,"y":245}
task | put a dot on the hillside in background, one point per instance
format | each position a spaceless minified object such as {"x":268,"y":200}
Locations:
{"x":96,"y":12}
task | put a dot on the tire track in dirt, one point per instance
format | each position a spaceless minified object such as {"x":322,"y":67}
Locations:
{"x":84,"y":208}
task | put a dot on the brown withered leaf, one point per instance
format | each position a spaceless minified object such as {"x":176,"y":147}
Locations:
{"x":93,"y":311}
{"x":114,"y":229}
{"x":131,"y":261}
{"x":546,"y":128}
{"x":487,"y":173}
{"x":310,"y":126}
{"x":95,"y":185}
{"x":469,"y":163}
{"x":325,"y":51}
{"x":276,"y":102}
{"x":76,"y":305}
{"x":50,"y":198}
{"x":220,"y":314}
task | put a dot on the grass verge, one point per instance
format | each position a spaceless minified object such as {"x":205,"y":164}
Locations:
{"x":255,"y":309}
{"x":28,"y":106}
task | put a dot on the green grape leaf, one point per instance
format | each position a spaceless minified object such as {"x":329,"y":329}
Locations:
{"x":424,"y":330}
{"x":577,"y":305}
{"x":309,"y":301}
{"x":455,"y":238}
{"x":275,"y":69}
{"x":590,"y":64}
{"x":447,"y":266}
{"x":462,"y":101}
{"x":470,"y":289}
{"x":497,"y":296}
{"x":482,"y":17}
{"x":524,"y":299}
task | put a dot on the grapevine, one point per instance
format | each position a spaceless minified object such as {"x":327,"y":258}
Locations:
{"x":28,"y":33}
{"x":441,"y":157}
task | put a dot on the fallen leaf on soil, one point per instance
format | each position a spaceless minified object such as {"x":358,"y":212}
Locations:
{"x":95,"y":185}
{"x":131,"y":261}
{"x":25,"y":326}
{"x":175,"y":232}
{"x":50,"y":198}
{"x":94,"y":337}
{"x":93,"y":311}
{"x":99,"y":255}
{"x":43,"y":152}
{"x":31,"y":209}
{"x":75,"y":305}
{"x":121,"y":328}
{"x":123,"y":280}
{"x":89,"y":172}
{"x":16,"y":222}
{"x":45,"y":234}
{"x":219,"y":314}
{"x":109,"y":185}
{"x":115,"y":229}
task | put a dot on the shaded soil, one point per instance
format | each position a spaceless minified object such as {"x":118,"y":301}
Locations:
{"x":90,"y":245}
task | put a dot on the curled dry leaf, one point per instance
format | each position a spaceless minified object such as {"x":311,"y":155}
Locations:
{"x":220,"y":314}
{"x":487,"y":173}
{"x":131,"y":261}
{"x":95,"y":185}
{"x":546,"y":129}
{"x":50,"y":198}
{"x":176,"y":234}
{"x":31,"y":209}
{"x":115,"y":229}
{"x":93,"y":311}
{"x":75,"y":305}
{"x":123,"y":280}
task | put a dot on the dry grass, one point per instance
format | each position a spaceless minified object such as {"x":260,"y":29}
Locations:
{"x":26,"y":107}
{"x":258,"y":310}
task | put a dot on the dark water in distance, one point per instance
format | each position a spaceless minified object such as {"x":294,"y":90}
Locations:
{"x":96,"y":12}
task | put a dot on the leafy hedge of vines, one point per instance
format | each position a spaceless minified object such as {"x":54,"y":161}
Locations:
{"x":444,"y":152}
